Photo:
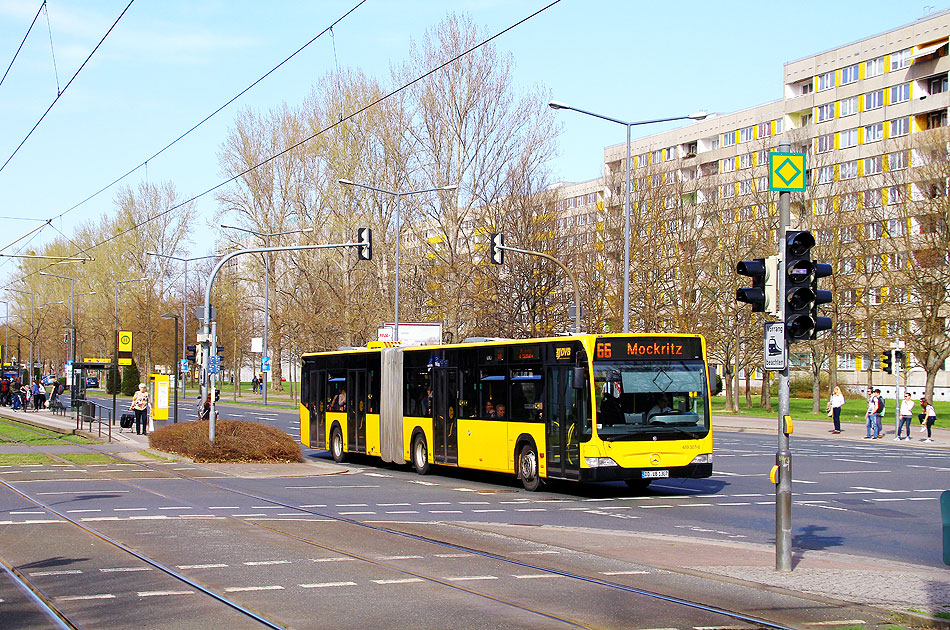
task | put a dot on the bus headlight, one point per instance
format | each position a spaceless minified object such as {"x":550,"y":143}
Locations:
{"x":600,"y":462}
{"x":705,"y":458}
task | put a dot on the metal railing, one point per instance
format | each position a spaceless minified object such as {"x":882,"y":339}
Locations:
{"x":94,"y":413}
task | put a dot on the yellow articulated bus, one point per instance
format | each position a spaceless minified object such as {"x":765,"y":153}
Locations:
{"x":586,"y":408}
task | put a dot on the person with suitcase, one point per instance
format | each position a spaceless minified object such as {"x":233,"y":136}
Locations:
{"x":141,"y":407}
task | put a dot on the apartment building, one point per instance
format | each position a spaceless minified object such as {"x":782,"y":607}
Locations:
{"x":862,"y":111}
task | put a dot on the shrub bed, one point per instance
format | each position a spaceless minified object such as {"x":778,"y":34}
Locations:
{"x":235,"y":441}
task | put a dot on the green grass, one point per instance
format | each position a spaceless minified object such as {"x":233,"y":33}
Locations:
{"x":32,"y":436}
{"x":155,"y":456}
{"x":17,"y":459}
{"x":84,"y":459}
{"x":853,"y":410}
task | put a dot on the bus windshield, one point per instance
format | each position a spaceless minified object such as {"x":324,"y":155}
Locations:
{"x":640,"y":400}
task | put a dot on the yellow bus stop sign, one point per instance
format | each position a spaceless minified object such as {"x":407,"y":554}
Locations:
{"x":787,"y":172}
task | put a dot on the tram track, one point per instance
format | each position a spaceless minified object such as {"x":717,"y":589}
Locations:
{"x":755,"y":622}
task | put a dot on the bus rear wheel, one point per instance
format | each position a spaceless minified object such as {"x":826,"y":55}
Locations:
{"x":336,"y":445}
{"x":420,"y":455}
{"x":528,"y":468}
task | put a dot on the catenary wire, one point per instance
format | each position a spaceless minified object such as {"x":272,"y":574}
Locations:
{"x":212,"y":114}
{"x":24,"y":41}
{"x":66,"y":87}
{"x":52,"y":50}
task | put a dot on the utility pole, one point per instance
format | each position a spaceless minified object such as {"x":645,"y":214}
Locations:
{"x":783,"y":457}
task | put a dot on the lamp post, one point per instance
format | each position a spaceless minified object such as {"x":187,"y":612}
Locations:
{"x":398,"y":195}
{"x":44,"y":305}
{"x":32,"y":336}
{"x":266,"y":236}
{"x":115,"y":340}
{"x":626,"y":199}
{"x":177,"y":371}
{"x":184,"y":305}
{"x":6,"y":342}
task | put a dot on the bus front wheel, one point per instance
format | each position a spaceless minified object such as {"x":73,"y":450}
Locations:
{"x":528,"y":468}
{"x":420,"y":455}
{"x":336,"y":445}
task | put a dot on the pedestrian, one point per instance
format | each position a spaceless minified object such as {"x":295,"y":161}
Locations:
{"x":140,"y":406}
{"x":931,"y":415}
{"x":4,"y":391}
{"x":835,"y":403}
{"x":881,"y":410}
{"x":869,"y":420}
{"x":204,"y":409}
{"x":39,"y":396}
{"x":254,"y":384}
{"x":15,"y":392}
{"x":907,"y":414}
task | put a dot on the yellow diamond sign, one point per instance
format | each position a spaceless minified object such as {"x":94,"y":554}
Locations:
{"x":787,"y":172}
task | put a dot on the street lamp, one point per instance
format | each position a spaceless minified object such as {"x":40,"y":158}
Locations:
{"x":626,"y":200}
{"x":115,"y":341}
{"x":32,"y":335}
{"x":184,"y":304}
{"x":72,"y":327}
{"x":398,"y":195}
{"x":177,"y":371}
{"x":266,"y":236}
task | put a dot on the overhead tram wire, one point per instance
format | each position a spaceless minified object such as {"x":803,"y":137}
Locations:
{"x":35,"y":17}
{"x":322,"y":131}
{"x":215,"y":112}
{"x":66,"y":87}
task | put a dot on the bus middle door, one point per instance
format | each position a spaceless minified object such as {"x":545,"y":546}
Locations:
{"x":356,"y":410}
{"x":318,"y":408}
{"x":445,"y":415}
{"x":562,"y":423}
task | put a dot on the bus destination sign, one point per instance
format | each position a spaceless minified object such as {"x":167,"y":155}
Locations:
{"x":648,"y":348}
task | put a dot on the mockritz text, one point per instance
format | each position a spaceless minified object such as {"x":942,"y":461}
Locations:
{"x":654,"y":348}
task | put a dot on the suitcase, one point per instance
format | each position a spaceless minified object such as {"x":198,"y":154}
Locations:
{"x":126,"y":420}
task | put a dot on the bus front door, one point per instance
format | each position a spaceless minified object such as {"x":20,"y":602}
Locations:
{"x":318,"y":409}
{"x":562,"y":420}
{"x":356,"y":410}
{"x":445,"y":449}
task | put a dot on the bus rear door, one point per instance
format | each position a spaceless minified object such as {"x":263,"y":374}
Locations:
{"x":356,"y":410}
{"x":318,"y":410}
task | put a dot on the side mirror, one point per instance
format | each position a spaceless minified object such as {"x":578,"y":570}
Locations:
{"x":580,"y":377}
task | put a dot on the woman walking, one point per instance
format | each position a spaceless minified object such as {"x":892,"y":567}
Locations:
{"x":836,"y":403}
{"x":931,"y":418}
{"x":907,"y":414}
{"x":141,"y":408}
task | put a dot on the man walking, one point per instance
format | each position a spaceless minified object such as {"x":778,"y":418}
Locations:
{"x":881,"y":410}
{"x":869,"y":419}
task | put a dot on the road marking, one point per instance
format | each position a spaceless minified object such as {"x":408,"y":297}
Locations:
{"x":215,"y":507}
{"x":851,"y":472}
{"x":445,"y":511}
{"x":129,"y":509}
{"x":81,"y":511}
{"x":536,"y":576}
{"x":545,"y":509}
{"x":327,"y":584}
{"x":624,"y":572}
{"x":161,"y":593}
{"x":480,"y":511}
{"x":399,"y":581}
{"x":338,"y":487}
{"x":265,"y":507}
{"x":184,"y":507}
{"x":399,"y":558}
{"x":421,"y":483}
{"x":455,"y":555}
{"x":354,"y":513}
{"x":436,"y":503}
{"x":392,"y":504}
{"x":403,"y":512}
{"x":471,"y":578}
{"x":63,"y":572}
{"x":735,"y":503}
{"x":339,"y":505}
{"x":371,"y":474}
{"x":76,"y":598}
{"x":334,"y":559}
{"x":540,"y":552}
{"x":843,"y":622}
{"x":460,"y":503}
{"x":185,"y":567}
{"x":315,"y":505}
{"x":242,"y":589}
{"x":125,"y":569}
{"x":261,"y":563}
{"x":29,"y":512}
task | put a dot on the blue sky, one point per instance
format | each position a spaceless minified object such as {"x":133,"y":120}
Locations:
{"x":169,"y":63}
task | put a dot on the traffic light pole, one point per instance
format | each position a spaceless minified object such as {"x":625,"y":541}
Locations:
{"x":783,"y":458}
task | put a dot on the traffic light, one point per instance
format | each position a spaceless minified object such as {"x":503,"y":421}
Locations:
{"x":497,"y":253}
{"x":66,"y":337}
{"x":364,"y":236}
{"x":886,"y":362}
{"x":763,"y":294}
{"x":899,"y":358}
{"x":190,"y":354}
{"x":802,"y":296}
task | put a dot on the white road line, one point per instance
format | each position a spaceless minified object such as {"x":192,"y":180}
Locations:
{"x":335,"y":559}
{"x":735,"y":503}
{"x":315,"y":505}
{"x":350,"y":505}
{"x":392,"y":504}
{"x":185,"y":567}
{"x":445,"y":511}
{"x":436,"y":503}
{"x":843,"y":622}
{"x":129,"y":509}
{"x":852,"y":472}
{"x":76,"y":598}
{"x":399,"y":581}
{"x":221,"y":507}
{"x":471,"y":578}
{"x":354,"y":513}
{"x":474,"y":503}
{"x":125,"y":569}
{"x":541,"y":552}
{"x":327,"y":584}
{"x":247,"y":515}
{"x":242,"y":589}
{"x":184,"y":507}
{"x":403,"y":512}
{"x":480,"y":511}
{"x":337,"y":487}
{"x":536,"y":576}
{"x":62,"y":572}
{"x":162,"y":593}
{"x":624,"y":572}
{"x":81,"y":511}
{"x":29,"y":512}
{"x":855,"y":461}
{"x":421,"y":483}
{"x":261,"y":563}
{"x":399,"y":558}
{"x":455,"y":555}
{"x":545,"y":509}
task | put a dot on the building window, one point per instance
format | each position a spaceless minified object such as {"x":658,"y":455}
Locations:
{"x":874,"y":100}
{"x":896,"y":227}
{"x":826,"y":81}
{"x":897,"y":161}
{"x":764,"y":129}
{"x":727,"y":165}
{"x":825,"y":175}
{"x":895,"y":195}
{"x":745,"y":160}
{"x":728,"y":190}
{"x":937,"y":85}
{"x":847,"y":234}
{"x":823,"y":205}
{"x":825,"y":143}
{"x":872,"y":198}
{"x":762,"y":184}
{"x":778,"y":126}
{"x":746,"y":187}
{"x":729,"y":139}
{"x":873,"y":67}
{"x":849,"y":74}
{"x":873,"y":165}
{"x":671,"y":154}
{"x":745,"y":134}
{"x":900,"y":93}
{"x":657,"y":156}
{"x":849,"y":202}
{"x":872,"y":264}
{"x":937,"y":119}
{"x":848,"y":170}
{"x":900,"y":60}
{"x":849,"y":106}
{"x":807,"y":88}
{"x":825,"y":112}
{"x":873,"y":133}
{"x":847,"y":265}
{"x":900,"y":127}
{"x":846,"y":362}
{"x":849,"y":138}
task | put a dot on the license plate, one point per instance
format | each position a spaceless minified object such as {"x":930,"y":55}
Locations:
{"x":654,"y":474}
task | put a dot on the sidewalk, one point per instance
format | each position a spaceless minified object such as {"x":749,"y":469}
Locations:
{"x":821,"y":576}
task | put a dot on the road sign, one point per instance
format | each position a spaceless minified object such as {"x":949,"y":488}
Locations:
{"x":125,"y":347}
{"x":776,"y":352}
{"x":184,"y":365}
{"x":214,"y":365}
{"x":265,"y":364}
{"x":787,"y":172}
